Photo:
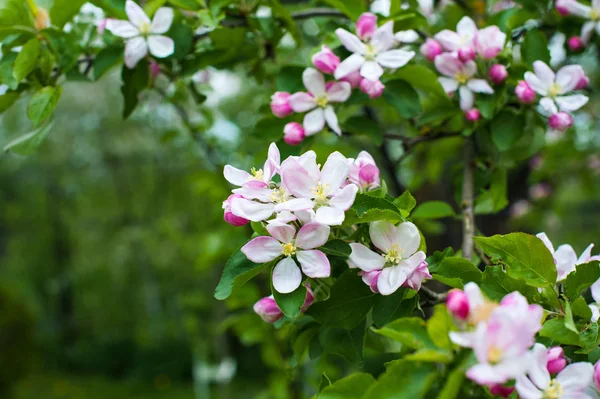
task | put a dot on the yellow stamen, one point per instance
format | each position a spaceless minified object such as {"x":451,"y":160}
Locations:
{"x":494,"y":355}
{"x":278,"y":195}
{"x":461,"y":78}
{"x":320,"y":192}
{"x":257,"y":174}
{"x":394,"y":255}
{"x":482,"y":313}
{"x":144,"y":28}
{"x":288,"y":249}
{"x":554,"y":390}
{"x":594,"y":14}
{"x":321,"y":101}
{"x":554,"y":90}
{"x":370,"y":52}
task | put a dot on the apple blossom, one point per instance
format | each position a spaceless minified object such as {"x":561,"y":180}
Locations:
{"x":462,"y":38}
{"x":524,"y":93}
{"x":256,"y":178}
{"x":556,"y":360}
{"x":371,"y":57}
{"x":286,"y":242}
{"x":318,"y":101}
{"x":229,"y":216}
{"x":325,"y":60}
{"x":466,"y":54}
{"x":458,"y":304}
{"x":569,"y":383}
{"x":372,"y":88}
{"x":406,"y":36}
{"x":592,"y":13}
{"x":562,"y":7}
{"x":565,"y":257}
{"x":498,"y":73}
{"x":417,"y":277}
{"x":575,"y":43}
{"x":431,"y":49}
{"x":280,"y":105}
{"x":324,"y":188}
{"x":366,"y":25}
{"x":364,"y":172}
{"x":560,"y":121}
{"x":399,"y":258}
{"x":489,"y":42}
{"x":354,"y":79}
{"x":142,"y":34}
{"x":473,"y":115}
{"x":460,"y":76}
{"x":293,"y":133}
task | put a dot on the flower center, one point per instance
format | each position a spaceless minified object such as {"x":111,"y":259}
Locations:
{"x":288,"y":249}
{"x":554,"y":390}
{"x":320,"y":193}
{"x":482,"y":312}
{"x":594,"y":14}
{"x":494,"y":355}
{"x":554,"y":90}
{"x":257,"y":174}
{"x":278,"y":195}
{"x":394,"y":255}
{"x":461,"y":78}
{"x":370,"y":52}
{"x":144,"y":28}
{"x":321,"y":100}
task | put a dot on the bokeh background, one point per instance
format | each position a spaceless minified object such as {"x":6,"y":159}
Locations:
{"x":112,"y":238}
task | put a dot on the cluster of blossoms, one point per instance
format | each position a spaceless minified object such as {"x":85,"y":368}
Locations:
{"x":373,"y":50}
{"x":590,"y":13}
{"x":501,"y":336}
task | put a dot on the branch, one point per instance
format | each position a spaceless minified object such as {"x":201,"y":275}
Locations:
{"x":410,"y":142}
{"x":436,"y":296}
{"x":467,"y":200}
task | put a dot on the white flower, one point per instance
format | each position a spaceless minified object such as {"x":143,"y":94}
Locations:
{"x":142,"y":34}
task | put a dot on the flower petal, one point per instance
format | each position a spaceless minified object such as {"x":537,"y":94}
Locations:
{"x":467,"y":98}
{"x":466,"y":27}
{"x":314,"y":121}
{"x":595,"y":289}
{"x":350,"y":41}
{"x":162,"y":20}
{"x":312,"y":235}
{"x":576,"y":376}
{"x":296,"y":179}
{"x":572,"y":102}
{"x":383,"y":38}
{"x":383,"y":235}
{"x":480,"y":86}
{"x":286,"y":276}
{"x":135,"y":50}
{"x":251,"y":210}
{"x":282,"y":232}
{"x":295,"y":205}
{"x":332,"y":120}
{"x":390,"y":279}
{"x":161,"y":46}
{"x":330,"y":216}
{"x":339,"y":92}
{"x":344,"y":198}
{"x":314,"y":263}
{"x":301,"y":102}
{"x":536,"y":84}
{"x":448,"y":64}
{"x":335,"y":171}
{"x":449,"y":40}
{"x":408,"y":239}
{"x":349,"y":65}
{"x":542,"y":236}
{"x":526,"y":388}
{"x":544,"y":73}
{"x":371,"y":70}
{"x":585,"y":255}
{"x":566,"y":258}
{"x":406,"y":36}
{"x":450,"y":85}
{"x":568,"y":77}
{"x":262,"y":249}
{"x":394,"y":58}
{"x":547,"y":107}
{"x":587,"y":30}
{"x":235,"y":176}
{"x":136,"y":14}
{"x":537,"y":370}
{"x":122,"y":28}
{"x":314,"y":81}
{"x":366,"y":259}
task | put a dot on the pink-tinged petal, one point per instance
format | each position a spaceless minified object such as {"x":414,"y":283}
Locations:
{"x":301,"y":102}
{"x":308,"y":161}
{"x":296,"y":179}
{"x":466,"y":27}
{"x":371,"y":70}
{"x":544,"y":73}
{"x":262,"y":249}
{"x":286,"y":276}
{"x":547,"y":107}
{"x":249,"y":191}
{"x":314,"y":121}
{"x":568,"y":77}
{"x":314,"y":81}
{"x":449,"y":40}
{"x":526,"y":389}
{"x":571,"y":103}
{"x":306,"y":217}
{"x":474,"y":295}
{"x":123,"y":29}
{"x":344,"y":198}
{"x":314,"y":263}
{"x":161,"y":46}
{"x":390,"y":279}
{"x":350,"y":41}
{"x":469,"y":68}
{"x":268,"y":310}
{"x":251,"y":210}
{"x":339,"y":92}
{"x":332,"y":120}
{"x":383,"y":235}
{"x":136,"y":15}
{"x":273,"y":155}
{"x":464,"y":339}
{"x":365,"y":259}
{"x":536,"y":84}
{"x":538,"y":368}
{"x":282,"y":232}
{"x":586,"y":255}
{"x":312,"y":235}
{"x":394,"y":58}
{"x":485,"y":374}
{"x":467,"y":98}
{"x":449,"y":84}
{"x":576,"y":8}
{"x":135,"y":50}
{"x":370,"y":279}
{"x":349,"y":65}
{"x":480,"y":86}
{"x":162,"y":20}
{"x":576,"y":376}
{"x":565,"y":258}
{"x":235,"y":176}
{"x":408,"y":239}
{"x":407,"y":36}
{"x":448,"y":64}
{"x":295,"y":205}
{"x":587,"y":30}
{"x":383,"y":38}
{"x":335,"y":171}
{"x":283,"y":217}
{"x":330,"y":216}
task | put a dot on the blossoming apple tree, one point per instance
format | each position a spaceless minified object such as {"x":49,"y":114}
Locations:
{"x":344,"y":254}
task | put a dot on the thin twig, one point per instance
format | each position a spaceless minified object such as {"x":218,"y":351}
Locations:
{"x":436,"y":296}
{"x":467,"y":200}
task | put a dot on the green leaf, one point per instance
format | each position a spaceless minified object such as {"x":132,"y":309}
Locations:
{"x":8,"y":99}
{"x":336,"y":248}
{"x":558,"y":332}
{"x":456,"y":272}
{"x":133,"y":82}
{"x":433,"y":210}
{"x":403,"y":380}
{"x":352,"y":387}
{"x":183,"y":36}
{"x":525,"y":256}
{"x":346,"y":343}
{"x":352,"y":8}
{"x":535,"y":47}
{"x":581,"y":308}
{"x":439,"y":326}
{"x":290,"y":304}
{"x":269,"y":128}
{"x":496,"y":284}
{"x":65,"y":46}
{"x":29,"y":143}
{"x":589,"y":338}
{"x":406,"y":202}
{"x":403,"y":97}
{"x":43,"y":103}
{"x":453,"y":384}
{"x":391,"y":307}
{"x":259,"y":228}
{"x":349,"y":302}
{"x":361,"y":125}
{"x":422,"y":78}
{"x":14,"y":13}
{"x":506,"y":128}
{"x":411,"y":331}
{"x":63,"y":11}
{"x":494,"y":199}
{"x":430,"y":355}
{"x":368,"y":209}
{"x":289,"y":79}
{"x":569,"y":322}
{"x":302,"y":341}
{"x":26,"y":61}
{"x":237,"y":272}
{"x":284,"y":15}
{"x":582,"y":278}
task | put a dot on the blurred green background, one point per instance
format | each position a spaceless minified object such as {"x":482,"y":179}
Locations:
{"x":112,"y":241}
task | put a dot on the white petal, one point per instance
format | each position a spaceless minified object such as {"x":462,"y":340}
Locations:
{"x":383,"y":38}
{"x":587,"y":30}
{"x":450,"y":85}
{"x":407,"y":36}
{"x":383,"y":235}
{"x":349,"y":65}
{"x":296,"y":178}
{"x":448,"y":64}
{"x":122,"y":28}
{"x":466,"y":27}
{"x":339,"y":92}
{"x":467,"y":98}
{"x":344,"y":198}
{"x":585,"y":255}
{"x":136,"y":15}
{"x":330,"y":216}
{"x":537,"y":370}
{"x":526,"y":389}
{"x":350,"y":41}
{"x":314,"y":121}
{"x":235,"y":176}
{"x":162,"y":20}
{"x":542,"y":236}
{"x":536,"y":84}
{"x":571,"y":103}
{"x":408,"y":238}
{"x":595,"y":312}
{"x":480,"y":86}
{"x":251,"y":210}
{"x":596,"y":291}
{"x":335,"y":171}
{"x":566,"y":258}
{"x":135,"y":50}
{"x":390,"y":279}
{"x":371,"y":70}
{"x":332,"y":120}
{"x":314,"y":263}
{"x":301,"y":102}
{"x":547,"y":108}
{"x":295,"y":205}
{"x":366,"y":259}
{"x":395,"y":58}
{"x":544,"y":73}
{"x":286,"y":276}
{"x":469,"y":68}
{"x":312,"y":235}
{"x":282,"y":232}
{"x":576,"y":376}
{"x":314,"y":81}
{"x":448,"y":39}
{"x":262,"y":249}
{"x":161,"y":46}
{"x":568,"y":77}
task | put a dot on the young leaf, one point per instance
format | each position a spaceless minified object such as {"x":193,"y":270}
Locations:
{"x":290,"y":304}
{"x":346,"y":343}
{"x":403,"y":97}
{"x":26,"y":61}
{"x":336,"y":248}
{"x":368,"y":209}
{"x":352,"y":387}
{"x":237,"y":272}
{"x":582,"y":278}
{"x":106,"y":59}
{"x":433,"y":210}
{"x":134,"y":81}
{"x":557,"y":331}
{"x":535,"y":47}
{"x":43,"y":103}
{"x":411,"y":331}
{"x":455,"y":272}
{"x":507,"y":127}
{"x":439,"y":326}
{"x":29,"y":143}
{"x":403,"y":379}
{"x":406,"y":202}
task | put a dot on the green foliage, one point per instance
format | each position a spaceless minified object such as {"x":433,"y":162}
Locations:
{"x":347,"y":343}
{"x":535,"y":47}
{"x":351,"y":387}
{"x":237,"y":272}
{"x":582,"y":278}
{"x":391,"y":307}
{"x":403,"y":97}
{"x":336,"y":248}
{"x":456,"y":272}
{"x":134,"y":81}
{"x":43,"y":103}
{"x":368,"y":209}
{"x":507,"y":127}
{"x":29,"y":143}
{"x":63,"y":11}
{"x":27,"y":59}
{"x":290,"y":304}
{"x":403,"y":380}
{"x":433,"y":210}
{"x":410,"y":331}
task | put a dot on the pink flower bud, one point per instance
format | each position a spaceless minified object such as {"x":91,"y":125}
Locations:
{"x":524,"y":93}
{"x":354,"y":79}
{"x":540,"y":191}
{"x":473,"y":115}
{"x":373,"y":88}
{"x":293,"y":133}
{"x":154,"y":69}
{"x":466,"y":54}
{"x":279,"y":104}
{"x":325,"y":60}
{"x":498,"y":73}
{"x":556,"y":360}
{"x":575,"y":43}
{"x":101,"y":27}
{"x":268,"y":310}
{"x":562,"y":8}
{"x":363,"y":172}
{"x":431,"y":49}
{"x":310,"y":298}
{"x":458,"y":304}
{"x":583,"y":83}
{"x":229,"y":216}
{"x":366,"y":25}
{"x":560,"y":121}
{"x":501,"y":390}
{"x":597,"y":375}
